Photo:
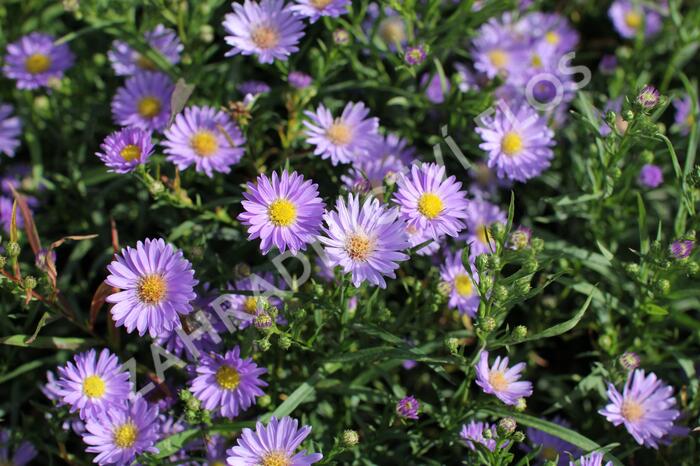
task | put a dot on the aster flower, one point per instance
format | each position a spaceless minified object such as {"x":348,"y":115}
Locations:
{"x":34,"y":60}
{"x":228,"y":383}
{"x":684,"y":117}
{"x":681,"y":249}
{"x":127,"y":61}
{"x":369,"y":174}
{"x":23,"y":454}
{"x":629,"y":18}
{"x":157,"y":285}
{"x":431,"y":202}
{"x":608,"y":64}
{"x":473,"y":433}
{"x":434,"y":92}
{"x":500,"y":380}
{"x":273,"y":444}
{"x":518,"y":145}
{"x":650,"y":176}
{"x":268,"y":29}
{"x":551,"y":446}
{"x":366,"y":241}
{"x":552,"y":29}
{"x":344,"y":139}
{"x":283,"y":211}
{"x":648,"y":97}
{"x":407,"y":407}
{"x":417,"y":237}
{"x":481,"y":216}
{"x":646,"y":407}
{"x":391,"y":30}
{"x":299,"y":80}
{"x":253,"y":88}
{"x":463,"y":294}
{"x":392,"y":145}
{"x":206,"y":138}
{"x":124,"y":150}
{"x":341,"y":37}
{"x":495,"y":51}
{"x":118,"y":435}
{"x":144,"y":101}
{"x":415,"y":55}
{"x":630,"y":360}
{"x":314,"y":9}
{"x":593,"y":459}
{"x":467,"y":79}
{"x":520,"y":238}
{"x":93,"y":384}
{"x":246,"y":308}
{"x":10,"y":130}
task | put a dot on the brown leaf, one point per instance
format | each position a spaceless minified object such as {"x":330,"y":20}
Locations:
{"x":115,"y":236}
{"x":50,"y":265}
{"x":29,"y":226}
{"x":98,"y":300}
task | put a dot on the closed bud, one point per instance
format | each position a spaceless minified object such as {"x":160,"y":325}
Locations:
{"x":444,"y":288}
{"x":498,"y":230}
{"x":241,"y":270}
{"x":523,"y":287}
{"x":605,"y":342}
{"x":506,"y":426}
{"x":531,"y":265}
{"x":487,"y":433}
{"x":537,"y":244}
{"x":481,"y":262}
{"x":3,"y":262}
{"x":550,"y":463}
{"x":500,"y":293}
{"x":285,"y":342}
{"x":693,"y":269}
{"x":632,"y":268}
{"x":630,"y":360}
{"x":664,"y":286}
{"x":495,"y":262}
{"x":647,"y":156}
{"x":13,"y":249}
{"x":262,"y":321}
{"x":350,"y":438}
{"x":264,"y":401}
{"x":156,"y":188}
{"x":264,"y":344}
{"x":487,"y":324}
{"x":518,"y":437}
{"x":452,"y":345}
{"x":206,"y":33}
{"x":193,"y":404}
{"x":29,"y":282}
{"x":487,"y":282}
{"x":615,"y":173}
{"x":628,"y":116}
{"x":341,"y":36}
{"x":520,"y":405}
{"x":520,"y":332}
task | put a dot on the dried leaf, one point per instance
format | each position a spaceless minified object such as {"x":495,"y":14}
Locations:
{"x":29,"y":225}
{"x":98,"y":300}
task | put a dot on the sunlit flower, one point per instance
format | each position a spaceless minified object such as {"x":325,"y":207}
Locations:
{"x":473,"y":433}
{"x":35,"y":60}
{"x":464,"y":295}
{"x":127,"y":61}
{"x":144,"y":101}
{"x":500,"y":380}
{"x":407,"y":407}
{"x":315,"y":9}
{"x":592,"y":459}
{"x":124,"y":150}
{"x":10,"y":130}
{"x":681,"y":249}
{"x":481,"y":216}
{"x":630,"y":17}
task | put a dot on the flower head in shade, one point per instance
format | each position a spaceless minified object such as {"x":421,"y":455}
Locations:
{"x":206,"y":138}
{"x":463,"y":293}
{"x":23,"y":453}
{"x":630,"y":17}
{"x":314,"y":9}
{"x":415,"y":55}
{"x":127,"y":61}
{"x":124,"y":150}
{"x":684,"y":117}
{"x":157,"y":285}
{"x":144,"y":101}
{"x":681,"y":249}
{"x":646,"y":407}
{"x":227,"y":384}
{"x":417,"y":237}
{"x":430,"y":202}
{"x":518,"y":145}
{"x":650,"y":176}
{"x":500,"y":380}
{"x":253,"y":88}
{"x":299,"y":80}
{"x":481,"y":216}
{"x":246,"y":308}
{"x":407,"y":407}
{"x":10,"y":130}
{"x":551,"y":446}
{"x":648,"y":97}
{"x":495,"y":51}
{"x":592,"y":459}
{"x":473,"y":433}
{"x":272,"y":444}
{"x":630,"y":360}
{"x":34,"y":60}
{"x":370,"y":173}
{"x":93,"y":384}
{"x":434,"y":92}
{"x":608,"y":64}
{"x":268,"y":29}
{"x":388,"y":25}
{"x":551,"y":29}
{"x":118,"y":435}
{"x":284,"y":211}
{"x":365,"y":240}
{"x":344,"y":139}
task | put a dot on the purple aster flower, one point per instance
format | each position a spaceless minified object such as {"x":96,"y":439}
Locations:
{"x":34,"y":60}
{"x":144,"y":101}
{"x":684,"y":117}
{"x":648,"y":97}
{"x":299,"y":80}
{"x":495,"y":51}
{"x":481,"y":215}
{"x":127,"y":61}
{"x":630,"y":17}
{"x":430,"y":202}
{"x":23,"y":454}
{"x":681,"y":249}
{"x":463,"y":294}
{"x":473,"y":433}
{"x":118,"y":435}
{"x":93,"y":384}
{"x":206,"y":138}
{"x":553,"y":29}
{"x":433,"y":91}
{"x":502,"y":381}
{"x":646,"y":407}
{"x":391,"y":30}
{"x":593,"y":459}
{"x":520,"y":238}
{"x":284,"y":211}
{"x":203,"y":341}
{"x":344,"y":139}
{"x":124,"y":150}
{"x":369,"y":174}
{"x":518,"y":145}
{"x":268,"y":29}
{"x":272,"y":445}
{"x":467,"y":79}
{"x":608,"y":64}
{"x":10,"y":130}
{"x":216,"y":450}
{"x":314,"y":9}
{"x":417,"y":237}
{"x":245,"y":308}
{"x":157,"y":285}
{"x":650,"y":176}
{"x":630,"y":360}
{"x":253,"y":88}
{"x":392,"y":145}
{"x":227,"y":384}
{"x":51,"y":389}
{"x":43,"y":257}
{"x":552,"y":446}
{"x":366,"y":241}
{"x":415,"y":55}
{"x":407,"y":407}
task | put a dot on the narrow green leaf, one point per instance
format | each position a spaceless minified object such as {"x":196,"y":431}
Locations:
{"x":170,"y":445}
{"x":67,"y":343}
{"x":654,"y":309}
{"x":24,"y":368}
{"x":642,"y":220}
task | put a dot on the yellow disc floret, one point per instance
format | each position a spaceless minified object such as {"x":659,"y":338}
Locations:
{"x":633,"y":19}
{"x":149,"y":106}
{"x":265,"y":37}
{"x":359,"y":246}
{"x":282,"y":212}
{"x":632,"y":411}
{"x":512,"y":143}
{"x":276,"y":458}
{"x":94,"y":386}
{"x":339,"y":133}
{"x":498,"y":381}
{"x":430,"y":205}
{"x":125,"y":435}
{"x":151,"y":289}
{"x":463,"y":285}
{"x":204,"y":143}
{"x":552,"y":37}
{"x":37,"y":63}
{"x":227,"y":378}
{"x":130,"y":152}
{"x":499,"y":58}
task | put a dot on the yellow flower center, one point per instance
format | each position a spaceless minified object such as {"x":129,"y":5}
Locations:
{"x":276,"y":458}
{"x":358,"y":247}
{"x":549,"y":453}
{"x":633,"y":19}
{"x":125,"y":435}
{"x":552,"y":37}
{"x":430,"y":205}
{"x":149,"y":106}
{"x":690,"y":120}
{"x":151,"y":289}
{"x":483,"y":234}
{"x":217,"y":463}
{"x":392,"y":30}
{"x":498,"y":58}
{"x":130,"y":152}
{"x":498,"y":381}
{"x":227,"y":378}
{"x":265,"y":37}
{"x":320,"y":4}
{"x":145,"y":63}
{"x":282,"y":212}
{"x":463,"y":285}
{"x":37,"y":63}
{"x":632,"y":411}
{"x":94,"y":386}
{"x":339,"y":133}
{"x":512,"y":143}
{"x":251,"y":305}
{"x":204,"y":143}
{"x":536,"y":61}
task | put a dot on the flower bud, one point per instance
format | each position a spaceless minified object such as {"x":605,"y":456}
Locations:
{"x":632,"y":268}
{"x":663,"y":286}
{"x":520,"y":332}
{"x":264,"y":344}
{"x":264,"y":401}
{"x":647,"y":156}
{"x":500,"y":293}
{"x":518,"y":437}
{"x":520,"y":405}
{"x":487,"y":324}
{"x":693,"y":269}
{"x":630,"y":360}
{"x":531,"y":265}
{"x":488,"y":433}
{"x":494,"y":262}
{"x":523,"y":287}
{"x":29,"y":282}
{"x":506,"y":426}
{"x":262,"y":320}
{"x":444,"y":288}
{"x":3,"y":262}
{"x":13,"y":249}
{"x":156,"y":188}
{"x":498,"y":230}
{"x":206,"y":33}
{"x":452,"y":345}
{"x":350,"y":438}
{"x":481,"y":262}
{"x":341,"y":36}
{"x":284,"y":342}
{"x":537,"y":244}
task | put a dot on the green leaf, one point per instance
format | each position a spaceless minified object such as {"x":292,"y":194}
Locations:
{"x":67,"y":343}
{"x":642,"y":220}
{"x":654,"y":309}
{"x":170,"y":445}
{"x":24,"y":368}
{"x":303,"y":392}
